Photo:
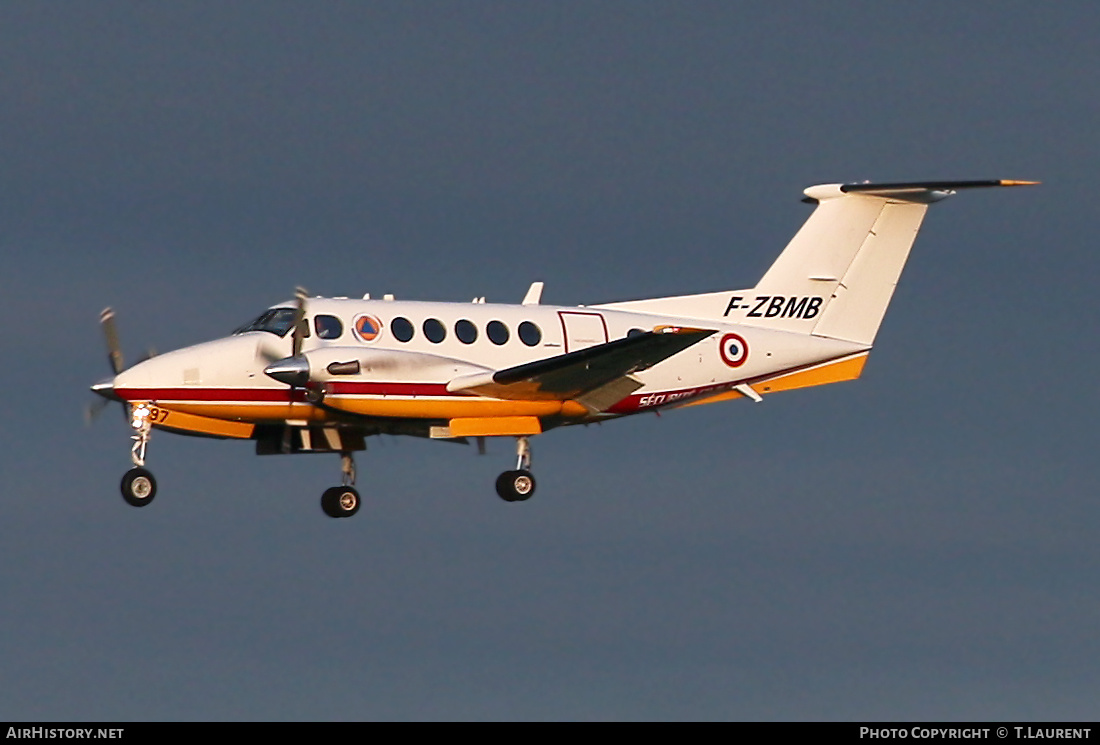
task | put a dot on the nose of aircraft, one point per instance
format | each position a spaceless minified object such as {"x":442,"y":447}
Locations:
{"x":232,"y":361}
{"x":106,"y":388}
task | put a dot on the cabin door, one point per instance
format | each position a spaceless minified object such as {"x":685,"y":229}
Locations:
{"x":582,"y":329}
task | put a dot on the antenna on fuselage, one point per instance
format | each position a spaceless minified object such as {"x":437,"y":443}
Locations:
{"x":534,"y":294}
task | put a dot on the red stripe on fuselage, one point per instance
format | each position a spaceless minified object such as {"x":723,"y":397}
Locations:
{"x":629,"y":405}
{"x":275,"y":395}
{"x":388,"y":389}
{"x":282,"y":395}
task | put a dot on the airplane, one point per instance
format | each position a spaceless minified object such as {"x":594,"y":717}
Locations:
{"x":321,"y":375}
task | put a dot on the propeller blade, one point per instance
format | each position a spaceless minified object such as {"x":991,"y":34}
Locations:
{"x":299,"y":322}
{"x":105,"y":389}
{"x":150,"y":353}
{"x":93,"y":410}
{"x":114,"y":350}
{"x":266,"y":355}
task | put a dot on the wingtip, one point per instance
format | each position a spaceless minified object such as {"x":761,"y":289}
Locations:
{"x":1013,"y":182}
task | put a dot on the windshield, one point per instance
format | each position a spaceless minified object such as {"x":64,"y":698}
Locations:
{"x":277,"y":320}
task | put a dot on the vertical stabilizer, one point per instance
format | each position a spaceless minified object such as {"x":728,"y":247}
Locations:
{"x":859,"y":299}
{"x":837,"y":275}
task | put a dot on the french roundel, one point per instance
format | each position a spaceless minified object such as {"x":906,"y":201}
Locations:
{"x":734,"y":350}
{"x":368,"y":328}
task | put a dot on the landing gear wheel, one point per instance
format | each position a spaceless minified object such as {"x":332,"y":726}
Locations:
{"x":138,"y":487}
{"x":340,"y":501}
{"x":516,"y":486}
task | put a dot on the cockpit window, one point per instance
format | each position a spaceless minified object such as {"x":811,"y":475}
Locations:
{"x":328,"y":327}
{"x":277,"y":320}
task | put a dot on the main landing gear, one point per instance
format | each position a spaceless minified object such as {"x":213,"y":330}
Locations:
{"x":518,"y":485}
{"x":342,"y":501}
{"x":138,"y":485}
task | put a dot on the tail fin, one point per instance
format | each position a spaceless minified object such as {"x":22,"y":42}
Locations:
{"x":837,"y":275}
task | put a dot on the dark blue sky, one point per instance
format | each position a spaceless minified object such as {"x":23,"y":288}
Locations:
{"x":916,"y":545}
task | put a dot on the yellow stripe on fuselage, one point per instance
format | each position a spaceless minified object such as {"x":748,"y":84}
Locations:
{"x":255,"y":411}
{"x":837,"y":371}
{"x":831,"y":372}
{"x":453,"y":408}
{"x":391,"y":407}
{"x":182,"y":421}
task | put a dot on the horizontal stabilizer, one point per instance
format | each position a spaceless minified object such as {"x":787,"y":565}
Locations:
{"x":933,"y":185}
{"x":921,"y":192}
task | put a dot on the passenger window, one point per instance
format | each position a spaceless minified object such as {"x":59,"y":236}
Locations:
{"x":529,"y":333}
{"x":434,"y":330}
{"x":328,"y":327}
{"x":466,"y":331}
{"x":402,"y":329}
{"x":497,"y":332}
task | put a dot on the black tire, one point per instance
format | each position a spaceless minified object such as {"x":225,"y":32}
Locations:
{"x":516,"y":486}
{"x":340,"y":501}
{"x":138,"y":487}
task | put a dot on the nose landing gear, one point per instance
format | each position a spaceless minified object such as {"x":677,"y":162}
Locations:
{"x":518,"y":485}
{"x":342,"y":501}
{"x":138,"y":485}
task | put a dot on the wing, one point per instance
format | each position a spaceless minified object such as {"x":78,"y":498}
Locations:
{"x":593,"y":375}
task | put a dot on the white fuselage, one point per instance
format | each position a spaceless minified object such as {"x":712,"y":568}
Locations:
{"x":405,"y":375}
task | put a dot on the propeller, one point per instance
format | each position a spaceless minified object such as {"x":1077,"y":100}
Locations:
{"x":110,"y":332}
{"x":299,"y":331}
{"x":294,"y":370}
{"x":300,"y":328}
{"x":106,"y":387}
{"x":94,"y":409}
